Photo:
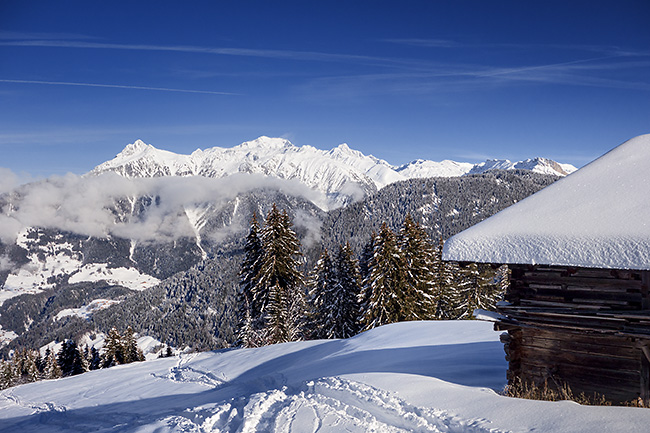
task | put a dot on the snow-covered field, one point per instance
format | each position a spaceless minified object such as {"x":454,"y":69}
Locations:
{"x":406,"y":377}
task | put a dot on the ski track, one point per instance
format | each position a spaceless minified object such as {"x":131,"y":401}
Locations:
{"x":183,"y":373}
{"x":44,"y":407}
{"x":326,"y":405}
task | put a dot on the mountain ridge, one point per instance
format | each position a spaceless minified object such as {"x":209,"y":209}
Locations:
{"x":343,"y":174}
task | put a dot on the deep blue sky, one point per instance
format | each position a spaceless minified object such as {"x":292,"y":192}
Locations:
{"x":402,"y":80}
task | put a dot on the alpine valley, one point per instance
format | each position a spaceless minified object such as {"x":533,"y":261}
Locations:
{"x":153,"y":240}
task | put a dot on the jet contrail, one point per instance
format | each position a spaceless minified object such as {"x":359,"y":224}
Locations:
{"x":114,"y":86}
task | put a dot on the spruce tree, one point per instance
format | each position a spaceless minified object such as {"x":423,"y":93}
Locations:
{"x":366,"y":256}
{"x":477,"y":290}
{"x":70,"y":359}
{"x":113,"y":350}
{"x":385,"y":289}
{"x":364,"y":270}
{"x":345,"y":309}
{"x":420,"y":260}
{"x":52,"y":369}
{"x":280,"y":277}
{"x":132,"y":352}
{"x":7,"y":374}
{"x":25,"y":364}
{"x":251,"y":299}
{"x":94,"y":360}
{"x":447,"y":280}
{"x":322,"y":291}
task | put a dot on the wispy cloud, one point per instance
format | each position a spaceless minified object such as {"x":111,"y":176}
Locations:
{"x":242,"y":52}
{"x":115,"y":86}
{"x":4,"y":34}
{"x":613,"y":71}
{"x":612,"y":50}
{"x":431,"y":43}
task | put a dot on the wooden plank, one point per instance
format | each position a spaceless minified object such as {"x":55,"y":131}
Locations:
{"x":613,"y":351}
{"x":596,"y":362}
{"x":592,"y":283}
{"x":645,"y":290}
{"x":570,"y":372}
{"x":645,"y":377}
{"x":641,"y":332}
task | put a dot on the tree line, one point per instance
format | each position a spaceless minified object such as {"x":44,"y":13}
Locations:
{"x":29,"y":366}
{"x":398,"y":277}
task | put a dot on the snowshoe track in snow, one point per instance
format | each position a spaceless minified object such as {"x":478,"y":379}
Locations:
{"x":183,"y":373}
{"x":325,"y":405}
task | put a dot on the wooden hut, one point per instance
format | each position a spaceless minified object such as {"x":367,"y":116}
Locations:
{"x":577,"y":310}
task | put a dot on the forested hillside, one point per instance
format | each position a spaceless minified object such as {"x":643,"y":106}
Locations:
{"x":197,"y":307}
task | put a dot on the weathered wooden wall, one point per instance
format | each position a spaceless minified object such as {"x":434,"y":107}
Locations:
{"x":589,"y":328}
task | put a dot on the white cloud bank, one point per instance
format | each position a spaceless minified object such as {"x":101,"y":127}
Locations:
{"x":86,"y":204}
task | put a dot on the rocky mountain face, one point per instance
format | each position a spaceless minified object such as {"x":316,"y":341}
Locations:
{"x":153,"y":239}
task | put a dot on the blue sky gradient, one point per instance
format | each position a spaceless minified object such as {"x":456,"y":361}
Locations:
{"x":462,"y":80}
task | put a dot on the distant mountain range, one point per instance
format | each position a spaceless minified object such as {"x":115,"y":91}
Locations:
{"x":153,"y":239}
{"x":342,"y":174}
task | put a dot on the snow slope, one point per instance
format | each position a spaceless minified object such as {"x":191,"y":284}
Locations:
{"x":596,"y":217}
{"x":406,"y":377}
{"x":49,"y":261}
{"x":341,"y":173}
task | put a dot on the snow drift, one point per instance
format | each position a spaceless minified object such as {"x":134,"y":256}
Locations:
{"x":415,"y":376}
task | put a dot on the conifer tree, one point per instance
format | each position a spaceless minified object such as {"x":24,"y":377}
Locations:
{"x":52,"y":369}
{"x":113,"y":350}
{"x":477,"y":291}
{"x":280,"y":277}
{"x":366,"y":256}
{"x":385,"y":288}
{"x":345,"y":308}
{"x":25,"y":364}
{"x":7,"y":374}
{"x":364,"y":270}
{"x":94,"y":360}
{"x":251,"y":299}
{"x":322,"y":287}
{"x":420,"y":261}
{"x":132,"y":352}
{"x":446,"y":296}
{"x":70,"y":359}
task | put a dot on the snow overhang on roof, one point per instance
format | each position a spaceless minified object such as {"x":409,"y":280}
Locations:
{"x":597,"y":217}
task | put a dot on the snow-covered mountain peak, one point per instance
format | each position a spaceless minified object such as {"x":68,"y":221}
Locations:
{"x":537,"y":165}
{"x":265,"y":142}
{"x":341,"y":173}
{"x":137,"y":147}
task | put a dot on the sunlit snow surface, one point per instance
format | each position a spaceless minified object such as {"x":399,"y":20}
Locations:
{"x":407,"y":377}
{"x":596,"y":217}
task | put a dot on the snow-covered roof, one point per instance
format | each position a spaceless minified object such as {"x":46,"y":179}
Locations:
{"x":597,"y":217}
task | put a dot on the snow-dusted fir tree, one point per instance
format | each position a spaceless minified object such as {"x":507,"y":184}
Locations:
{"x":7,"y":374}
{"x":476,"y":290}
{"x":26,"y":366}
{"x":384,"y":289}
{"x":420,"y":261}
{"x":51,"y":369}
{"x":252,"y":298}
{"x":366,"y":256}
{"x":280,"y":277}
{"x":70,"y":359}
{"x":447,"y":280}
{"x":132,"y":353}
{"x":321,"y":291}
{"x":94,"y":360}
{"x":364,"y":270}
{"x":346,"y":293}
{"x":113,"y":350}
